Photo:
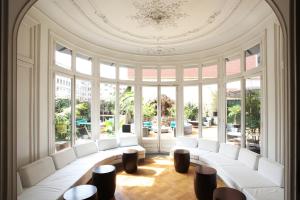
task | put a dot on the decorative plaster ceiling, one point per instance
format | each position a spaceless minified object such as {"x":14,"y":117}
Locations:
{"x":156,"y":27}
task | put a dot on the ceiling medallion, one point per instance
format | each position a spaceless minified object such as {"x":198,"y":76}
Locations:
{"x":157,"y":51}
{"x":158,"y":13}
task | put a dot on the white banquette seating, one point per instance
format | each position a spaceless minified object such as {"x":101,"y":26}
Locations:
{"x":257,"y":177}
{"x":49,"y":177}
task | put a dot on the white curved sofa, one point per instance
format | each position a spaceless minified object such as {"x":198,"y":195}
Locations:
{"x":49,"y":177}
{"x":257,"y":177}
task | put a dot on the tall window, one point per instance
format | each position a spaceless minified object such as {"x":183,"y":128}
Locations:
{"x":149,"y":75}
{"x":168,"y":112}
{"x":83,"y":64}
{"x":233,"y":66}
{"x":253,"y":113}
{"x":191,"y":110}
{"x":126,"y":73}
{"x":83,"y":110}
{"x":149,"y":109}
{"x":233,"y":105}
{"x":168,"y":75}
{"x":210,"y":112}
{"x":252,"y":56}
{"x":107,"y":71}
{"x":126,"y":119}
{"x":210,"y":71}
{"x":107,"y":109}
{"x":63,"y":56}
{"x":63,"y":112}
{"x":190,"y":74}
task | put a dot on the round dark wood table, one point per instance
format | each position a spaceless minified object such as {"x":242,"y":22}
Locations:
{"x":181,"y":160}
{"x":130,"y":160}
{"x":104,"y":178}
{"x":81,"y":192}
{"x":225,"y":193}
{"x":205,"y":181}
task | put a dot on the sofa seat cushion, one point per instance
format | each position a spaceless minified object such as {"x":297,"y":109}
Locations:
{"x":195,"y":153}
{"x":64,"y":157}
{"x":82,"y":150}
{"x":244,"y":177}
{"x":33,"y":173}
{"x":107,"y":143}
{"x":216,"y":159}
{"x":270,"y":193}
{"x":271,"y":170}
{"x":208,"y":145}
{"x":186,"y":142}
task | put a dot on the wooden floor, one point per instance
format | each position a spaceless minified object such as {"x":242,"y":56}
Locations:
{"x":156,"y":179}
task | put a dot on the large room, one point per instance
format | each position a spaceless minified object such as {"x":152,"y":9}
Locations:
{"x":170,"y":99}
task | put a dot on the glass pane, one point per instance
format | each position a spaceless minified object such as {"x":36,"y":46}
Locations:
{"x":63,"y":56}
{"x":107,"y":71}
{"x":107,"y":109}
{"x":210,"y":112}
{"x":252,"y":57}
{"x":233,"y":66}
{"x":210,"y":72}
{"x":83,"y":64}
{"x":126,"y":121}
{"x":233,"y":119}
{"x":150,"y":75}
{"x":83,"y":111}
{"x":191,"y":110}
{"x":168,"y":75}
{"x":126,"y":73}
{"x":149,"y":109}
{"x":63,"y":112}
{"x":168,"y":112}
{"x":253,"y":113}
{"x":190,"y":74}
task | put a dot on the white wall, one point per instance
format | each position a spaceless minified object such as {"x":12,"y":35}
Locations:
{"x":34,"y":126}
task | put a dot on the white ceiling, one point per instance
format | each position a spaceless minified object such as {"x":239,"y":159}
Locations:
{"x":156,"y":27}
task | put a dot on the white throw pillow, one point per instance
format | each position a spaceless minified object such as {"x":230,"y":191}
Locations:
{"x":229,"y":150}
{"x":85,"y":149}
{"x":248,"y":158}
{"x":271,"y":170}
{"x":186,"y":142}
{"x":128,"y":141}
{"x":64,"y":157}
{"x":109,"y":143}
{"x":34,"y":172}
{"x":208,"y":145}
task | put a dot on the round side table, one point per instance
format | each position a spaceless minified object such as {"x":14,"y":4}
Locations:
{"x":130,"y":160}
{"x":181,"y":160}
{"x":225,"y":193}
{"x":81,"y":192}
{"x":205,"y":181}
{"x":104,"y":178}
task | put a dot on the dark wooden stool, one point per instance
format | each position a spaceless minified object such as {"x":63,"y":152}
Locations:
{"x":130,"y":160}
{"x":205,"y":181}
{"x":181,"y":160}
{"x":104,"y":178}
{"x":81,"y":192}
{"x":225,"y":193}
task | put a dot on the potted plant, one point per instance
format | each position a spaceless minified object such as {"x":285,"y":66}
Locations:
{"x":61,"y":126}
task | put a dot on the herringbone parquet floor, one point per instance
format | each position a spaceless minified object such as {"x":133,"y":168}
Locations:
{"x":156,"y":179}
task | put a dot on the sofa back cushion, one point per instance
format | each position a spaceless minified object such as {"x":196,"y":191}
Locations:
{"x":19,"y":184}
{"x":186,"y":142}
{"x":64,"y":157}
{"x":248,"y":158}
{"x":271,"y":170}
{"x":229,"y":150}
{"x":109,"y":143}
{"x":34,"y":172}
{"x":85,"y":149}
{"x":208,"y":145}
{"x":128,"y":141}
